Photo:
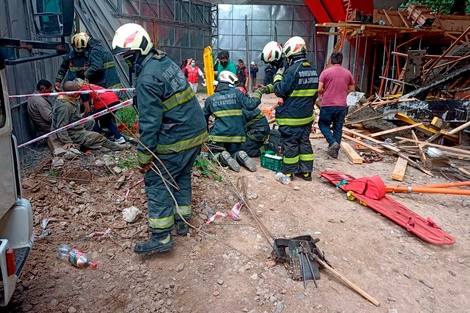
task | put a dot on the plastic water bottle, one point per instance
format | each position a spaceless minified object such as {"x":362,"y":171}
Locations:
{"x":75,"y":256}
{"x":283,"y":178}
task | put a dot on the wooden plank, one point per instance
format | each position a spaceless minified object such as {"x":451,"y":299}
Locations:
{"x":363,"y":144}
{"x":459,"y":151}
{"x":400,"y":169}
{"x":353,"y":156}
{"x":395,"y":130}
{"x":421,"y":151}
{"x":439,"y":123}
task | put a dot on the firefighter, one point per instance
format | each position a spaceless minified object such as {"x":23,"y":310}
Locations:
{"x":227,"y":105}
{"x":172,"y":126}
{"x":297,"y":86}
{"x":72,"y":65}
{"x":257,"y":131}
{"x":99,"y":68}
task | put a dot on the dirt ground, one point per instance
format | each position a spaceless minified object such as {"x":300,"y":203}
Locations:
{"x":226,"y":265}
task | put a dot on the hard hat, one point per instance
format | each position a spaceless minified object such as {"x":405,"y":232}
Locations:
{"x":80,"y":40}
{"x":294,"y":46}
{"x":253,"y":63}
{"x":228,"y":77}
{"x":131,"y":37}
{"x":272,"y":52}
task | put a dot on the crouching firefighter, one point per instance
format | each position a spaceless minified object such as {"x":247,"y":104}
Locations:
{"x":171,"y":126}
{"x":227,"y":105}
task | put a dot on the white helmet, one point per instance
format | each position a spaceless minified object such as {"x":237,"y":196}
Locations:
{"x":131,"y":37}
{"x":228,"y":77}
{"x":272,"y":52}
{"x":80,"y":40}
{"x":294,"y":46}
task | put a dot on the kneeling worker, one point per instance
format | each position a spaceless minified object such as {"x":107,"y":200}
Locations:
{"x":66,"y":110}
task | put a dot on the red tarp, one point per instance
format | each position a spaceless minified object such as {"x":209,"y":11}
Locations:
{"x":332,"y":11}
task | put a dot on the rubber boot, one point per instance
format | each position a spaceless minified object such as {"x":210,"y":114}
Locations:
{"x":226,"y":159}
{"x":156,"y":243}
{"x":305,"y":176}
{"x":243,"y":158}
{"x":182,"y":229}
{"x":114,"y":146}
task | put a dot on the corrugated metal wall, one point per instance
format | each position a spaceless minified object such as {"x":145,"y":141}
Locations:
{"x":266,"y":23}
{"x":16,"y":22}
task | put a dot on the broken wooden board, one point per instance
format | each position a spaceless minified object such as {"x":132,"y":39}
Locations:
{"x":352,"y":155}
{"x":400,"y":169}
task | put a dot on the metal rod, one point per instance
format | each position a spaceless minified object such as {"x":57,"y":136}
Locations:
{"x":364,"y":62}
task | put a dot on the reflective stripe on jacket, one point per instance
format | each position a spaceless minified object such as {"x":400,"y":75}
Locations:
{"x":298,"y":87}
{"x":170,"y":117}
{"x":227,"y":105}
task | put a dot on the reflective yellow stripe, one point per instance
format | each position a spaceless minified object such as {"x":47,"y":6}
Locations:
{"x":277,"y":78}
{"x":144,"y":158}
{"x":182,"y":145}
{"x":74,"y":68}
{"x":291,"y":161}
{"x":225,"y":113}
{"x":108,"y":64}
{"x":254,"y":120}
{"x":303,"y":93}
{"x":184,"y":210}
{"x":177,"y":99}
{"x":306,"y":157}
{"x":294,"y":121}
{"x":233,"y":139}
{"x":162,"y":223}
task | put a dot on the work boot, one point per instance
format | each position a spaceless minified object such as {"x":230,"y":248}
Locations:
{"x":114,"y":146}
{"x":156,"y":243}
{"x":333,"y":149}
{"x":182,"y":229}
{"x":305,"y":176}
{"x":245,"y":160}
{"x":226,"y":159}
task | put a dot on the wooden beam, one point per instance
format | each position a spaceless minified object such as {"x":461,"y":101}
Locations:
{"x":424,"y":143}
{"x":353,"y":156}
{"x":420,"y":147}
{"x":400,"y":169}
{"x":395,"y":130}
{"x":363,"y":143}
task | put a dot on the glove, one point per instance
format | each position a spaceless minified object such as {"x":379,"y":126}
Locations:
{"x":281,"y":71}
{"x":268,"y":89}
{"x":80,"y":70}
{"x":57,"y":86}
{"x":204,"y":83}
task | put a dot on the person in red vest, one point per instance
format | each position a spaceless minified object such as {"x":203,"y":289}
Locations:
{"x":100,"y":101}
{"x":193,"y":74}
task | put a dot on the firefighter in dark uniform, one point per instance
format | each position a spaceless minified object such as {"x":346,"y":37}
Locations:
{"x":297,"y":86}
{"x":172,"y":126}
{"x":257,"y":132}
{"x":227,"y":105}
{"x":74,"y":61}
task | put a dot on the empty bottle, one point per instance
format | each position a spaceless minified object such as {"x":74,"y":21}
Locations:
{"x":283,"y":178}
{"x":75,"y":256}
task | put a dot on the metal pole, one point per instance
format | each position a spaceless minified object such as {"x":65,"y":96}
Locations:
{"x":393,"y":60}
{"x":355,"y":55}
{"x":247,"y":53}
{"x":364,"y":62}
{"x":315,"y":60}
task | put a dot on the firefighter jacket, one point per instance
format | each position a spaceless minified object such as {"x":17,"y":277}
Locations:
{"x":70,"y":64}
{"x":100,"y":66}
{"x":227,"y":106}
{"x":256,"y":124}
{"x":170,"y":117}
{"x":298,"y":87}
